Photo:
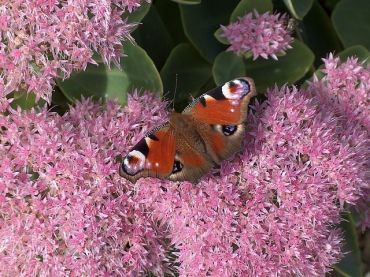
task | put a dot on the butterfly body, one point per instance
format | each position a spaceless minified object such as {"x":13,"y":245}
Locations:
{"x":208,"y":131}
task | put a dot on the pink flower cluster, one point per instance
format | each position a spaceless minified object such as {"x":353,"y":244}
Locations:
{"x":260,"y":35}
{"x":269,"y":211}
{"x":41,"y":40}
{"x":64,"y":210}
{"x":344,"y":90}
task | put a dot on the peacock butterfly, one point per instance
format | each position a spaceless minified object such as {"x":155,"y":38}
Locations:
{"x":210,"y":130}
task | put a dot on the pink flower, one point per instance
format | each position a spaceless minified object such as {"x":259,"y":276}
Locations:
{"x":64,"y":210}
{"x":344,"y":91}
{"x":271,"y":210}
{"x":42,"y":40}
{"x":260,"y":35}
{"x":268,"y":211}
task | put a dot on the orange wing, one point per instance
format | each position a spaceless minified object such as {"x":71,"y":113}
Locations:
{"x":153,"y":155}
{"x":225,"y":105}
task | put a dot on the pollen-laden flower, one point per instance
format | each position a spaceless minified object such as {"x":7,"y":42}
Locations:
{"x":41,"y":40}
{"x":265,"y":35}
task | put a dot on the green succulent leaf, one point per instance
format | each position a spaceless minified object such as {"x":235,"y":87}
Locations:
{"x":358,"y":51}
{"x":350,"y":265}
{"x":188,"y":2}
{"x":227,"y":66}
{"x":186,"y":72}
{"x":24,"y":100}
{"x":201,"y":21}
{"x":140,"y":69}
{"x":100,"y":82}
{"x":351,"y":19}
{"x":220,"y":37}
{"x":137,"y":15}
{"x":288,"y":69}
{"x":246,"y":6}
{"x":153,"y":36}
{"x":318,"y":33}
{"x":298,"y":8}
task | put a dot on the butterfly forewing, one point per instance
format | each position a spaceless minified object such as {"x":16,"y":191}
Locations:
{"x":151,"y":156}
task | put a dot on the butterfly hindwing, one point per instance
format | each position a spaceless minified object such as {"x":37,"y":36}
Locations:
{"x":222,"y":140}
{"x":190,"y":163}
{"x":220,"y":116}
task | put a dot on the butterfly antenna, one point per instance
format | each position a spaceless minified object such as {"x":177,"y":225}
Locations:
{"x":174,"y":94}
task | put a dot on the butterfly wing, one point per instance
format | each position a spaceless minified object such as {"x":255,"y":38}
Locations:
{"x":226,"y":105}
{"x":220,"y":116}
{"x":208,"y":131}
{"x":152,"y":156}
{"x":191,"y":162}
{"x":166,"y":154}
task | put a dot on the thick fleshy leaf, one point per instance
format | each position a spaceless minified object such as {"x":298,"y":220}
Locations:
{"x":220,"y":37}
{"x":24,"y":100}
{"x":246,"y":6}
{"x":318,"y":33}
{"x":100,"y":82}
{"x":288,"y":69}
{"x":201,"y":21}
{"x":59,"y":102}
{"x":188,"y":2}
{"x":185,"y":72}
{"x":358,"y":51}
{"x":227,"y":66}
{"x":351,"y":19}
{"x":154,"y":37}
{"x":298,"y":8}
{"x":350,"y":265}
{"x":170,"y":14}
{"x":140,"y":69}
{"x":137,"y":15}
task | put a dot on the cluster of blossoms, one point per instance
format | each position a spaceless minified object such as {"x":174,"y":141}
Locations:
{"x":41,"y":40}
{"x":345,"y":91}
{"x":63,"y":207}
{"x":260,"y":35}
{"x":269,"y":211}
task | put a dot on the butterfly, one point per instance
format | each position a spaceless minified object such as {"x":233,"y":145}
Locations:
{"x":208,"y":131}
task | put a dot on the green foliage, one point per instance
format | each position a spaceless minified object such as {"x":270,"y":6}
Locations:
{"x":137,"y":15}
{"x":350,"y":265}
{"x":351,"y":19}
{"x":298,"y":8}
{"x":287,"y":69}
{"x":227,"y":66}
{"x":201,"y":21}
{"x":183,"y":41}
{"x":186,"y":72}
{"x":138,"y":72}
{"x":246,"y":6}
